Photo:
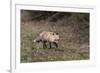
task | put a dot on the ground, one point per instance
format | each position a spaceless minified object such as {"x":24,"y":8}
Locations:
{"x":71,"y":46}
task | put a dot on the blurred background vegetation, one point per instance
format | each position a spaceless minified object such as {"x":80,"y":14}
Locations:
{"x":72,"y":27}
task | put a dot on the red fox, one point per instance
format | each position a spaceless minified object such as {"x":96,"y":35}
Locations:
{"x":50,"y":37}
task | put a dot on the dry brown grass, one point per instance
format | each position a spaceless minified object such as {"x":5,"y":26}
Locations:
{"x":70,"y":45}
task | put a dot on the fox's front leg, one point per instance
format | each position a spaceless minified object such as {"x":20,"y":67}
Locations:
{"x":56,"y":44}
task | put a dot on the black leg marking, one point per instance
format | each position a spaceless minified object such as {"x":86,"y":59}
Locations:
{"x":50,"y":45}
{"x":44,"y":44}
{"x":56,"y":45}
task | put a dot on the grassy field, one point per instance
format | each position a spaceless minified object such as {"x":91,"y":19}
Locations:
{"x":73,"y":44}
{"x":68,"y":49}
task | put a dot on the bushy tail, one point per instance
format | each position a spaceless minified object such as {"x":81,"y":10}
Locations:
{"x":37,"y":40}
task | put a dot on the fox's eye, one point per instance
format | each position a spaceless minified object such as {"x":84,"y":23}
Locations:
{"x":53,"y":33}
{"x":57,"y":33}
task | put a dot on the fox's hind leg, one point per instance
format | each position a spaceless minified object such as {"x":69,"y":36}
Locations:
{"x":44,"y":44}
